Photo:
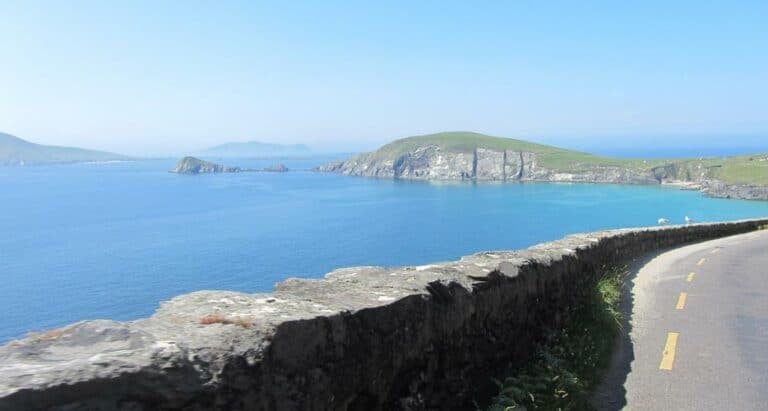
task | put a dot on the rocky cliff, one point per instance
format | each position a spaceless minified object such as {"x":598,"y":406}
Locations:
{"x":476,"y":157}
{"x":431,"y":162}
{"x":192,"y":165}
{"x":714,"y":188}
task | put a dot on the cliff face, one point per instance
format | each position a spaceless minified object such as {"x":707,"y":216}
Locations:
{"x":433,"y":163}
{"x":697,"y":176}
{"x":683,"y":171}
{"x":469,"y":156}
{"x":714,"y":188}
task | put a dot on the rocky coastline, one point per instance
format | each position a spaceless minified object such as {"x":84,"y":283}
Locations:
{"x":192,"y":166}
{"x":719,"y":189}
{"x":431,"y":162}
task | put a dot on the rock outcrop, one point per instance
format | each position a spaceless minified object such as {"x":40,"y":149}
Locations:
{"x":431,"y":162}
{"x":277,"y":168}
{"x":363,"y":338}
{"x":720,"y":189}
{"x":192,"y":165}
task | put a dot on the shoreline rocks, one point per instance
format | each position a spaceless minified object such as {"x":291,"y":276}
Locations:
{"x":720,"y":189}
{"x":430,"y":162}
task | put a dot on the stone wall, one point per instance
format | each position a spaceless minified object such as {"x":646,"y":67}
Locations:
{"x":363,"y":338}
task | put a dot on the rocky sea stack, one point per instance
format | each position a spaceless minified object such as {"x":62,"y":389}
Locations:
{"x":277,"y":168}
{"x":192,"y":165}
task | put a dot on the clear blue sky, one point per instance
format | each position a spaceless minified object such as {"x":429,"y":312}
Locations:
{"x":162,"y":76}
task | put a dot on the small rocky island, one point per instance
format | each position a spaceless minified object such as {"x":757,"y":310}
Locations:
{"x":192,"y":165}
{"x":277,"y":168}
{"x":477,"y":157}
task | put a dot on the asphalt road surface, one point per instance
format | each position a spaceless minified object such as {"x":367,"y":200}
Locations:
{"x":698,"y":333}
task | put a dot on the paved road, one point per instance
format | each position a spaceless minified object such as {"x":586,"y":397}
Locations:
{"x":698,"y":335}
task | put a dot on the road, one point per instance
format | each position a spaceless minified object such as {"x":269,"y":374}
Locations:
{"x":698,"y":332}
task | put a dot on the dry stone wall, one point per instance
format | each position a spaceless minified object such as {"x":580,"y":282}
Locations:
{"x":362,"y":338}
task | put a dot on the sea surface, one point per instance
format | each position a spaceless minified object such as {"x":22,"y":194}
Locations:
{"x":113,"y":240}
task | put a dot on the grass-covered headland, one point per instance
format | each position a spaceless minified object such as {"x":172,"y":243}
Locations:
{"x":569,"y":366}
{"x":745,"y":169}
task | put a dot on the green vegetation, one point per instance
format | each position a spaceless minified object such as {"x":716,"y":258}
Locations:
{"x":741,"y":169}
{"x":568,"y":368}
{"x":744,"y":169}
{"x":15,"y":151}
{"x":737,"y":170}
{"x":465,"y":142}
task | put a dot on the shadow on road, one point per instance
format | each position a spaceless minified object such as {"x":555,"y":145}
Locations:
{"x":611,"y":394}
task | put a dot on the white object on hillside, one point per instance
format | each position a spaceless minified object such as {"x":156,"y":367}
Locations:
{"x":663,"y":221}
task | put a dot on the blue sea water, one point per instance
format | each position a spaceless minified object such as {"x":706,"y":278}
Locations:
{"x":113,"y":240}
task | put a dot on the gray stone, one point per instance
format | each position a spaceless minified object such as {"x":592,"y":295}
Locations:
{"x":716,"y":188}
{"x":363,"y":338}
{"x":277,"y":168}
{"x":430,"y":162}
{"x":192,"y":165}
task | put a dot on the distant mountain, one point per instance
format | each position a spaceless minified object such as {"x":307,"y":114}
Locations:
{"x":17,"y":152}
{"x":257,"y":149}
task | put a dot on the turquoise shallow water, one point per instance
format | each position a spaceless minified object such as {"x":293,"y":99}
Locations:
{"x":113,"y":240}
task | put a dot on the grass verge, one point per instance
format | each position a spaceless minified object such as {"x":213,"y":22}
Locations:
{"x":569,"y":366}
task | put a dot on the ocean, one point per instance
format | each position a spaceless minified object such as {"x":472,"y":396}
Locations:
{"x":112,"y":240}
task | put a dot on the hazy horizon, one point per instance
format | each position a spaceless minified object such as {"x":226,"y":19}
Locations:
{"x":172,"y":78}
{"x":626,"y":146}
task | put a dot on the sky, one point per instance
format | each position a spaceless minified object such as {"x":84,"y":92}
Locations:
{"x":148,"y":77}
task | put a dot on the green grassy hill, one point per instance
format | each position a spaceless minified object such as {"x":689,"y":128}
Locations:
{"x":752,"y":169}
{"x":15,"y":151}
{"x":463,"y":141}
{"x":742,"y":169}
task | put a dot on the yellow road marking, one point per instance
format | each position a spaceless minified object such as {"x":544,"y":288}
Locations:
{"x":701,"y":262}
{"x":668,"y":356}
{"x":690,"y":276}
{"x":715,"y":251}
{"x":681,"y":301}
